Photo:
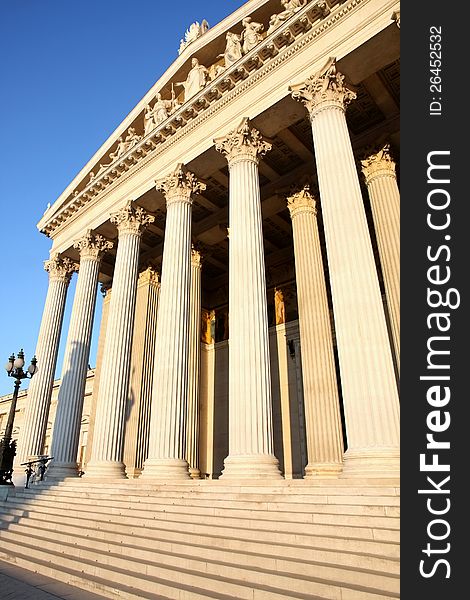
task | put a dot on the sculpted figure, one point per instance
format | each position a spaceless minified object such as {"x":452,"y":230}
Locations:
{"x":195,"y":81}
{"x":207,"y":329}
{"x":233,"y":49}
{"x":162,"y":109}
{"x":279,"y":306}
{"x":290,"y":7}
{"x":132,"y":138}
{"x":120,"y":150}
{"x":149,"y":124}
{"x":251,"y":34}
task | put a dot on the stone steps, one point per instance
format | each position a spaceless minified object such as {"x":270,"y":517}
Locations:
{"x":222,"y":526}
{"x":214,"y":547}
{"x":286,"y":575}
{"x":250,"y":516}
{"x":128,"y":542}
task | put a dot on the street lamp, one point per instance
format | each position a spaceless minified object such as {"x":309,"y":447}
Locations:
{"x":14,"y":368}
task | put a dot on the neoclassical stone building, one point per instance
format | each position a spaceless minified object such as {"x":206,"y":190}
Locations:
{"x":243,"y":222}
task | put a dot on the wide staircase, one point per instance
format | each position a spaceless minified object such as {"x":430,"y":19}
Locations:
{"x":327,"y":539}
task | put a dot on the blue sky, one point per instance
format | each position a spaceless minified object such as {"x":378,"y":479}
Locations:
{"x":72,"y":70}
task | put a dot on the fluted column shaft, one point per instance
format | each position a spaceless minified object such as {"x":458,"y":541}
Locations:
{"x":140,"y":390}
{"x":321,"y":399}
{"x":192,"y":431}
{"x":381,"y":181}
{"x":367,"y":374}
{"x":167,"y":447}
{"x":108,"y":440}
{"x":66,"y":432}
{"x":33,"y":433}
{"x":251,"y":448}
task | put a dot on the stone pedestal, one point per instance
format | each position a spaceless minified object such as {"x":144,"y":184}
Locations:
{"x":322,"y":414}
{"x":167,"y":447}
{"x":33,"y":433}
{"x":381,"y":181}
{"x":367,"y":373}
{"x":192,"y":420}
{"x":66,"y":432}
{"x":251,"y":453}
{"x":108,"y":439}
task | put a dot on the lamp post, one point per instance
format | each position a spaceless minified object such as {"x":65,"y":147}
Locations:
{"x":14,"y":368}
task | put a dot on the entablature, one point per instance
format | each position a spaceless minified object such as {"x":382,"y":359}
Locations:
{"x":309,"y":24}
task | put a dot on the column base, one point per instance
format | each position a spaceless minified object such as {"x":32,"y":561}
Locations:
{"x":194,"y":473}
{"x":105,"y":470}
{"x":372,"y":462}
{"x":168,"y":469}
{"x":251,"y":466}
{"x":323,"y":470}
{"x":58,"y":471}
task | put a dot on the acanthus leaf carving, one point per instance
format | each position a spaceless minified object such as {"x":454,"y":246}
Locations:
{"x":378,"y":163}
{"x":244,"y":142}
{"x":180,"y":183}
{"x":92,"y":245}
{"x":60,"y":268}
{"x":326,"y":87}
{"x":131,"y":219}
{"x":301,"y":201}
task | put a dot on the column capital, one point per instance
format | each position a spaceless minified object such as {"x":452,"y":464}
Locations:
{"x":196,"y":258}
{"x":131,"y":219}
{"x":302,"y":201}
{"x":378,"y":164}
{"x":92,"y":246}
{"x":242,"y":144}
{"x":60,"y":268}
{"x":150,"y":275}
{"x":179,"y":185}
{"x":325,"y":89}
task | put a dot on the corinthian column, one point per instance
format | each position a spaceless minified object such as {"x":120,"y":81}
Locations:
{"x":66,"y":432}
{"x":108,"y":439}
{"x":40,"y":389}
{"x":167,"y":449}
{"x":322,"y":415}
{"x":381,"y":180}
{"x":367,"y":374}
{"x":192,"y":432}
{"x":251,"y":453}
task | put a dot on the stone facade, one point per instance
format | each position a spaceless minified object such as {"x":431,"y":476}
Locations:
{"x":250,"y":329}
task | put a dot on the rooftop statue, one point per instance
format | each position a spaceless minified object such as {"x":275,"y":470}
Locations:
{"x":193,"y":33}
{"x":195,"y":81}
{"x":233,"y":49}
{"x":290,"y":8}
{"x":251,"y":34}
{"x":159,"y":113}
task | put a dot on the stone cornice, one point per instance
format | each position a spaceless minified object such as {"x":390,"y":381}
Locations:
{"x":297,"y":32}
